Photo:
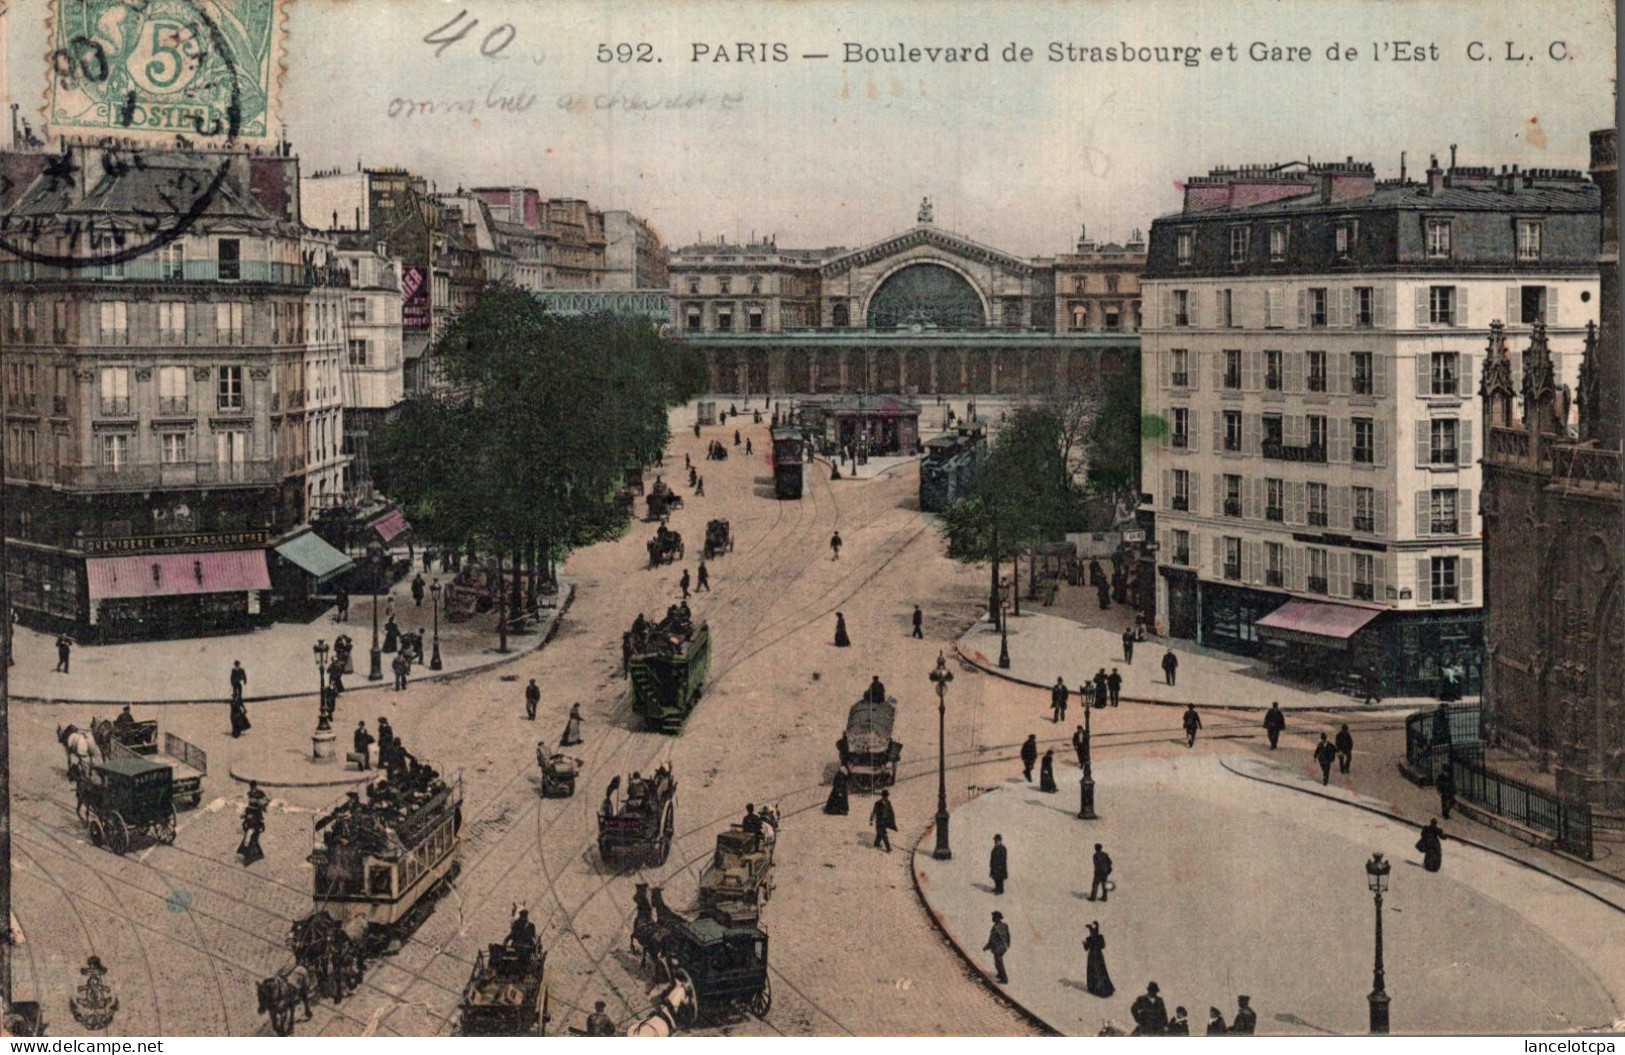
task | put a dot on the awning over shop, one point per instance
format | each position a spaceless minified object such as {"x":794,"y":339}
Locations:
{"x":1328,"y":625}
{"x":311,"y":553}
{"x":175,"y":574}
{"x":390,"y":525}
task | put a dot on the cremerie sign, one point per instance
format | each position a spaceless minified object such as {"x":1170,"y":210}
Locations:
{"x":189,"y":542}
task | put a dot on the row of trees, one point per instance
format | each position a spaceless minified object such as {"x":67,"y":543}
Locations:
{"x":523,"y":447}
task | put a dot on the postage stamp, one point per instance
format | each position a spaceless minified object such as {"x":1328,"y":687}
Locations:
{"x":147,"y":69}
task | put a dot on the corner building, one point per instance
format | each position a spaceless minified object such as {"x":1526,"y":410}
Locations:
{"x":1311,"y":346}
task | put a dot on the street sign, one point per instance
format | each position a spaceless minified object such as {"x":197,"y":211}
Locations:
{"x":1152,"y":547}
{"x":1134,"y":536}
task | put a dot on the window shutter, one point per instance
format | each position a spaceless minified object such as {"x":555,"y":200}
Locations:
{"x":1424,"y":580}
{"x":1217,"y":359}
{"x":1517,"y":371}
{"x":1218,"y":557}
{"x":1382,"y":308}
{"x":1424,"y":513}
{"x":1422,"y":441}
{"x":1339,"y":585}
{"x":1218,"y":431}
{"x":1165,"y":546}
{"x":1380,"y":429}
{"x":1464,"y":511}
{"x":1379,"y":577}
{"x":1464,"y":376}
{"x":1379,"y":374}
{"x":1303,"y":309}
{"x":1250,"y":371}
{"x":1421,"y":306}
{"x":1167,"y":308}
{"x":1294,"y":503}
{"x":1464,"y":579}
{"x":1246,"y":562}
{"x":1551,"y":307}
{"x":1292,"y":368}
{"x":1340,"y":516}
{"x":1460,"y":307}
{"x":1193,"y":493}
{"x":1193,"y":369}
{"x":1166,"y":499}
{"x":1379,"y":513}
{"x":1424,"y":374}
{"x":1337,"y":439}
{"x":1166,"y":440}
{"x":1514,"y":306}
{"x":1340,"y":373}
{"x":1218,"y":495}
{"x":1193,"y":308}
{"x":1345,"y":306}
{"x":1464,"y":442}
{"x":1252,"y":434}
{"x":1167,"y":371}
{"x":1292,"y":430}
{"x":1300,"y":567}
{"x":1218,"y":307}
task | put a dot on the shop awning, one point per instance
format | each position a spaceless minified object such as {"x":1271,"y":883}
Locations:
{"x":175,"y":574}
{"x":311,"y":553}
{"x":390,"y":525}
{"x":1328,"y":625}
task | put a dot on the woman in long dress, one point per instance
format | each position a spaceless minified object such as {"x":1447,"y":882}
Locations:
{"x":1096,"y":980}
{"x":572,"y":727}
{"x":841,"y":640}
{"x":1046,"y":773}
{"x":1432,"y":846}
{"x":837,"y":804}
{"x":239,"y":718}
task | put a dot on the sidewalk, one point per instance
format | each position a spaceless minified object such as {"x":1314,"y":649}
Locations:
{"x":1207,"y":861}
{"x":1043,"y":647}
{"x":279,"y":659}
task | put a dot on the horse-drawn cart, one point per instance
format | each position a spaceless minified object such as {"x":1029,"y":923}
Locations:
{"x":718,"y":539}
{"x":866,"y":748}
{"x":507,"y":993}
{"x":741,"y":869}
{"x":719,"y":959}
{"x":662,"y":500}
{"x":124,"y":797}
{"x":188,"y":763}
{"x":643,"y":822}
{"x":666,"y":547}
{"x":558,"y":772}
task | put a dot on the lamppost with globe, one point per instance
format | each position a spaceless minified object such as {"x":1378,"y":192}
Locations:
{"x":375,"y":560}
{"x":434,"y":591}
{"x":941,"y":677}
{"x":1004,"y":635}
{"x":1086,"y":786}
{"x":324,"y":713}
{"x":1376,"y":873}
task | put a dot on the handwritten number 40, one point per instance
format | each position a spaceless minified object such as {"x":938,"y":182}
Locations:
{"x":490,"y":47}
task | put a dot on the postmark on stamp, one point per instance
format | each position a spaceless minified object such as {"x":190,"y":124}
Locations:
{"x":164,"y":68}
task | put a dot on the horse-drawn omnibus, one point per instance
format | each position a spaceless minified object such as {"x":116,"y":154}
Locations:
{"x":866,"y":747}
{"x":788,"y":462}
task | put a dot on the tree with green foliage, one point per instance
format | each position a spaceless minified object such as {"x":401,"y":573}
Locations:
{"x":1023,"y":494}
{"x":522,"y":447}
{"x":1115,"y":435}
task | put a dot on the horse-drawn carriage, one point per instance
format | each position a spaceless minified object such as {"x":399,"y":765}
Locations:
{"x":662,"y":500}
{"x":507,"y":992}
{"x":558,"y":772}
{"x":632,"y":479}
{"x":641,"y":823}
{"x":188,"y":763}
{"x":866,"y":748}
{"x":741,"y":869}
{"x":124,"y":797}
{"x":719,"y":538}
{"x":718,"y":959}
{"x":666,"y":547}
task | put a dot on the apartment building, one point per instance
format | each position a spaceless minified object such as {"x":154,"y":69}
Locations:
{"x":1312,"y":345}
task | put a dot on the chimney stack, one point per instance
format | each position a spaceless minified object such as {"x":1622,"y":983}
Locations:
{"x":1435,"y":174}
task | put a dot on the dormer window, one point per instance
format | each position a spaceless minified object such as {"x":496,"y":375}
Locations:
{"x":1528,"y":239}
{"x":1344,"y":236}
{"x":1278,"y":243}
{"x":1238,"y":244}
{"x":1185,"y":247}
{"x":1438,"y":239}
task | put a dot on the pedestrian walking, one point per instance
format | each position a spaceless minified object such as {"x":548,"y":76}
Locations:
{"x":998,"y":942}
{"x":998,"y":864}
{"x":838,"y":802}
{"x":1431,"y":843}
{"x":572,"y":727}
{"x":1102,"y":691}
{"x":688,"y":463}
{"x":736,"y":437}
{"x":239,"y":717}
{"x":1150,"y":1014}
{"x":402,"y":667}
{"x":239,"y":678}
{"x":693,"y":476}
{"x":64,"y":646}
{"x":363,"y":745}
{"x":533,"y":696}
{"x":1128,"y":645}
{"x":884,"y":820}
{"x":341,"y":604}
{"x":748,"y":450}
{"x":702,"y":581}
{"x":876,"y":692}
{"x":841,"y":640}
{"x":1102,"y":862}
{"x":1080,"y":744}
{"x":1445,"y":782}
{"x":1029,"y":756}
{"x":1046,"y":772}
{"x":1103,"y":593}
{"x":253,"y":825}
{"x":1114,"y":685}
{"x":1057,"y":701}
{"x":1325,"y":754}
{"x":1097,"y":980}
{"x":683,"y":583}
{"x":919,"y":621}
{"x":1274,"y":722}
{"x":417,"y":590}
{"x":1246,"y":1021}
{"x":699,"y":488}
{"x":1170,"y":665}
{"x":1345,"y":748}
{"x":1215,"y":1023}
{"x":835,"y":546}
{"x":1193,"y":722}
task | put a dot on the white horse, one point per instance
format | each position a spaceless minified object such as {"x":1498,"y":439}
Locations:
{"x":80,"y":748}
{"x":671,"y":1002}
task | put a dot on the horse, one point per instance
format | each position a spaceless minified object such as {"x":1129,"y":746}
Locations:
{"x":80,"y":748}
{"x":672,"y":1001}
{"x":279,"y":993}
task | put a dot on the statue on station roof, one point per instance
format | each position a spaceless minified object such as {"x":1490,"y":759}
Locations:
{"x":926,"y":212}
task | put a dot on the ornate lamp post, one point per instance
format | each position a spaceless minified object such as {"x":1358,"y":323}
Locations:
{"x":1004,"y":636}
{"x":323,"y":722}
{"x":434,"y":591}
{"x":375,"y":558}
{"x":1086,"y":786}
{"x":1376,"y":874}
{"x":941,"y":677}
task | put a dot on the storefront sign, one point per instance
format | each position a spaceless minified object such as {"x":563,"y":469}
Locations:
{"x":165,"y":543}
{"x":415,"y":298}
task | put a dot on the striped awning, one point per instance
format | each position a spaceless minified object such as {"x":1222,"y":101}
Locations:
{"x":310,"y":552}
{"x":390,"y":525}
{"x":176,"y":574}
{"x":1316,"y":622}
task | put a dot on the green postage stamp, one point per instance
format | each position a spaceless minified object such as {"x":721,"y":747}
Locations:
{"x":200,"y":69}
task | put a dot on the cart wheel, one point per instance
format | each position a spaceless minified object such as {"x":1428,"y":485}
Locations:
{"x":689,"y":1013}
{"x":603,"y":851}
{"x":98,"y":833}
{"x":118,"y":834}
{"x":667,"y":828}
{"x":762,"y":1002}
{"x":174,"y":826}
{"x":282,"y":1019}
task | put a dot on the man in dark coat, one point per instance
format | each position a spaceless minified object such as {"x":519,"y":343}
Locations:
{"x":1274,"y":722}
{"x":1445,"y":782}
{"x":386,"y":741}
{"x":363,"y":744}
{"x":1345,"y":748}
{"x":1170,"y":665}
{"x":1150,"y":1014}
{"x":1215,"y":1023}
{"x":1102,"y":693}
{"x":1246,"y":1021}
{"x":884,"y":820}
{"x":1102,"y":862}
{"x":998,"y":943}
{"x":598,"y":1023}
{"x":1128,"y":645}
{"x":1114,"y":685}
{"x":64,"y":648}
{"x":417,"y":590}
{"x":1325,"y":755}
{"x":533,"y":696}
{"x":1192,"y":722}
{"x":998,"y":864}
{"x":341,"y":604}
{"x":1057,"y":701}
{"x":918,"y":622}
{"x":683,"y":584}
{"x":877,"y":690}
{"x":1431,"y":843}
{"x":835,"y":545}
{"x":401,"y":667}
{"x":702,"y":581}
{"x":1029,"y":756}
{"x":239,"y":678}
{"x":1080,"y":743}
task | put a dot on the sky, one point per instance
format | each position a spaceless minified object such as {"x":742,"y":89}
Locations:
{"x":1016,"y":151}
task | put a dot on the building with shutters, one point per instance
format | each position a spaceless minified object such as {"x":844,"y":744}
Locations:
{"x":1311,"y":346}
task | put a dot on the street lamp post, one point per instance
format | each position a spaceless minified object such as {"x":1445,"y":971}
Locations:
{"x":1376,"y":872}
{"x":1004,"y":636}
{"x":941,"y":677}
{"x":1086,"y":786}
{"x":375,"y":557}
{"x":323,"y":722}
{"x":434,"y":591}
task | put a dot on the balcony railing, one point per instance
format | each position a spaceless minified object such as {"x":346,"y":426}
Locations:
{"x":1446,"y":594}
{"x":1182,"y":556}
{"x":1180,"y":439}
{"x":1364,"y":455}
{"x":1275,"y":513}
{"x":1317,"y":518}
{"x":1364,"y":523}
{"x":1282,"y":453}
{"x":116,"y":408}
{"x":1362,"y":385}
{"x":1317,"y":382}
{"x":1443,"y":526}
{"x":1232,"y":378}
{"x":1232,"y":507}
{"x":1272,"y":577}
{"x":1317,"y":584}
{"x":1508,"y":444}
{"x":173,"y":405}
{"x":1232,"y":571}
{"x":147,"y":477}
{"x":1272,"y":381}
{"x":1182,"y":380}
{"x":1181,"y":503}
{"x":1364,"y":591}
{"x":264,"y":271}
{"x":1442,"y":456}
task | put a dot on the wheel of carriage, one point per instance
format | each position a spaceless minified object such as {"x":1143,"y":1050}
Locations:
{"x":603,"y":850}
{"x":171,"y":827}
{"x":282,"y":1018}
{"x":689,"y":1013}
{"x":118,"y":834}
{"x":679,"y":550}
{"x":668,"y":827}
{"x":762,"y":1002}
{"x":98,"y":831}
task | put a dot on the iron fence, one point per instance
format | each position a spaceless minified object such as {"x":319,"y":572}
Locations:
{"x":1567,"y":822}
